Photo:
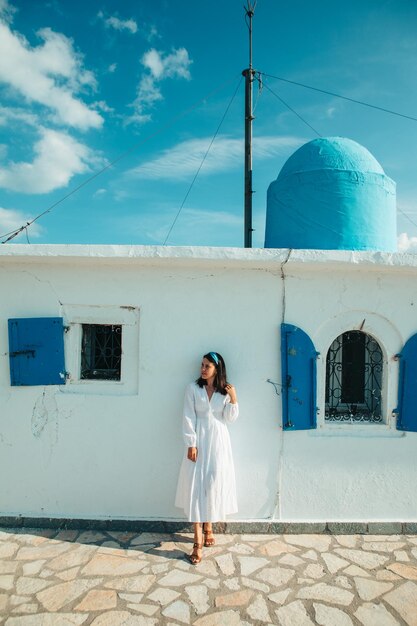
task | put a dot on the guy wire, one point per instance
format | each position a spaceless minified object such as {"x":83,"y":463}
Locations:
{"x":202,"y":161}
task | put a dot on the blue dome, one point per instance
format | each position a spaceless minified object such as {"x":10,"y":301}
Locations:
{"x":331,"y":153}
{"x":332,"y":194}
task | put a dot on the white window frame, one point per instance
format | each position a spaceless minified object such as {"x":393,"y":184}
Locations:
{"x":126,"y":316}
{"x":390,"y":341}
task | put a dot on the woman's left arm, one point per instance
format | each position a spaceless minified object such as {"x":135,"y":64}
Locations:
{"x":231,"y":407}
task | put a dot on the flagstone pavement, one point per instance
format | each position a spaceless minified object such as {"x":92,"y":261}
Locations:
{"x":69,"y":578}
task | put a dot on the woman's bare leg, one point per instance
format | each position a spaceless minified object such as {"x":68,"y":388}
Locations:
{"x":198,"y":533}
{"x":196,"y":554}
{"x":208,"y":534}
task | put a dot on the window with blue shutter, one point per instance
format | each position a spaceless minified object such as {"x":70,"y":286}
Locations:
{"x":407,"y":387}
{"x":36,"y":351}
{"x":299,"y":379}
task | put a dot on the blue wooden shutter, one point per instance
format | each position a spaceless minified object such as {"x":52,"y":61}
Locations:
{"x":36,"y":351}
{"x":407,"y":387}
{"x":299,"y":379}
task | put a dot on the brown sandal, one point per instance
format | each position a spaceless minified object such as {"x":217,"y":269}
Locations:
{"x":194,"y":558}
{"x":208,"y":541}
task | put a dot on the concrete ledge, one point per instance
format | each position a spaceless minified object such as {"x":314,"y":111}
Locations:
{"x":410,"y":528}
{"x":348,"y":528}
{"x":389,"y":528}
{"x":237,"y":528}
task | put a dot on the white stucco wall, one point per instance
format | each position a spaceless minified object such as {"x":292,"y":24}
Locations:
{"x":100,"y":450}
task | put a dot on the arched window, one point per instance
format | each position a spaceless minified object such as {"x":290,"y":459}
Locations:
{"x":353,"y":379}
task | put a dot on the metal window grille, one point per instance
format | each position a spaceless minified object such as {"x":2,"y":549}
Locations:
{"x":101,"y":352}
{"x":354,"y":368}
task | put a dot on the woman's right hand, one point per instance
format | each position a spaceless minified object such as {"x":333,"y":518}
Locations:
{"x":192,"y":454}
{"x":232,"y":393}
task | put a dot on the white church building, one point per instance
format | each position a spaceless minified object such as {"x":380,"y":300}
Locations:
{"x":318,"y":331}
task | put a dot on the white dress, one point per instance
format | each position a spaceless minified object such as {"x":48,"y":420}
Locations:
{"x":206,"y":489}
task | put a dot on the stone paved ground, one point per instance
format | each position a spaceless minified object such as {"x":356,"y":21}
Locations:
{"x":57,"y":578}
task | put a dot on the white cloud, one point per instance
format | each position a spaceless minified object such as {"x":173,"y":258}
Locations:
{"x":103,"y":106}
{"x":10,"y":115}
{"x":138,"y":118}
{"x":406,"y":243}
{"x":159,"y":67}
{"x":118,"y":24}
{"x":195,"y":226}
{"x":11,"y":220}
{"x":58,"y":157}
{"x":49,"y":74}
{"x":57,"y":57}
{"x":183,"y":160}
{"x":152,"y":33}
{"x":152,"y":60}
{"x":199,"y":227}
{"x":7,"y":11}
{"x":148,"y":93}
{"x":174,"y":65}
{"x":112,"y":68}
{"x":99,"y":192}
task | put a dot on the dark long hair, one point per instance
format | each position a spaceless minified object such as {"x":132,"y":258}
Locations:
{"x":220,"y":380}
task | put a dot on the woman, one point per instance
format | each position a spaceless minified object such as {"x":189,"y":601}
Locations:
{"x":206,"y":484}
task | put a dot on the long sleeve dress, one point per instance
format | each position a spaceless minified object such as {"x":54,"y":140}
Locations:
{"x":206,"y":489}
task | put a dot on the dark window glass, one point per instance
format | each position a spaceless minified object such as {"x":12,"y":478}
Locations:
{"x":353,"y":368}
{"x":101,"y":352}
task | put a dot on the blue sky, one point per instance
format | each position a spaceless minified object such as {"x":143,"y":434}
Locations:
{"x":84,"y":82}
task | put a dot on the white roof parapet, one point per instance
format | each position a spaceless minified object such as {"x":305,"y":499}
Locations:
{"x":180,"y":255}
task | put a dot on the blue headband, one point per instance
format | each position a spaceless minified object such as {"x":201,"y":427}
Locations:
{"x":214,"y":357}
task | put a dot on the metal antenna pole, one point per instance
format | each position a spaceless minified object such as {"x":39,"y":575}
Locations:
{"x":249,"y":75}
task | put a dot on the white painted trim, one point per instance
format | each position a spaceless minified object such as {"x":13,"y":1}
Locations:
{"x":258,"y":257}
{"x":390,"y":340}
{"x":128,"y":317}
